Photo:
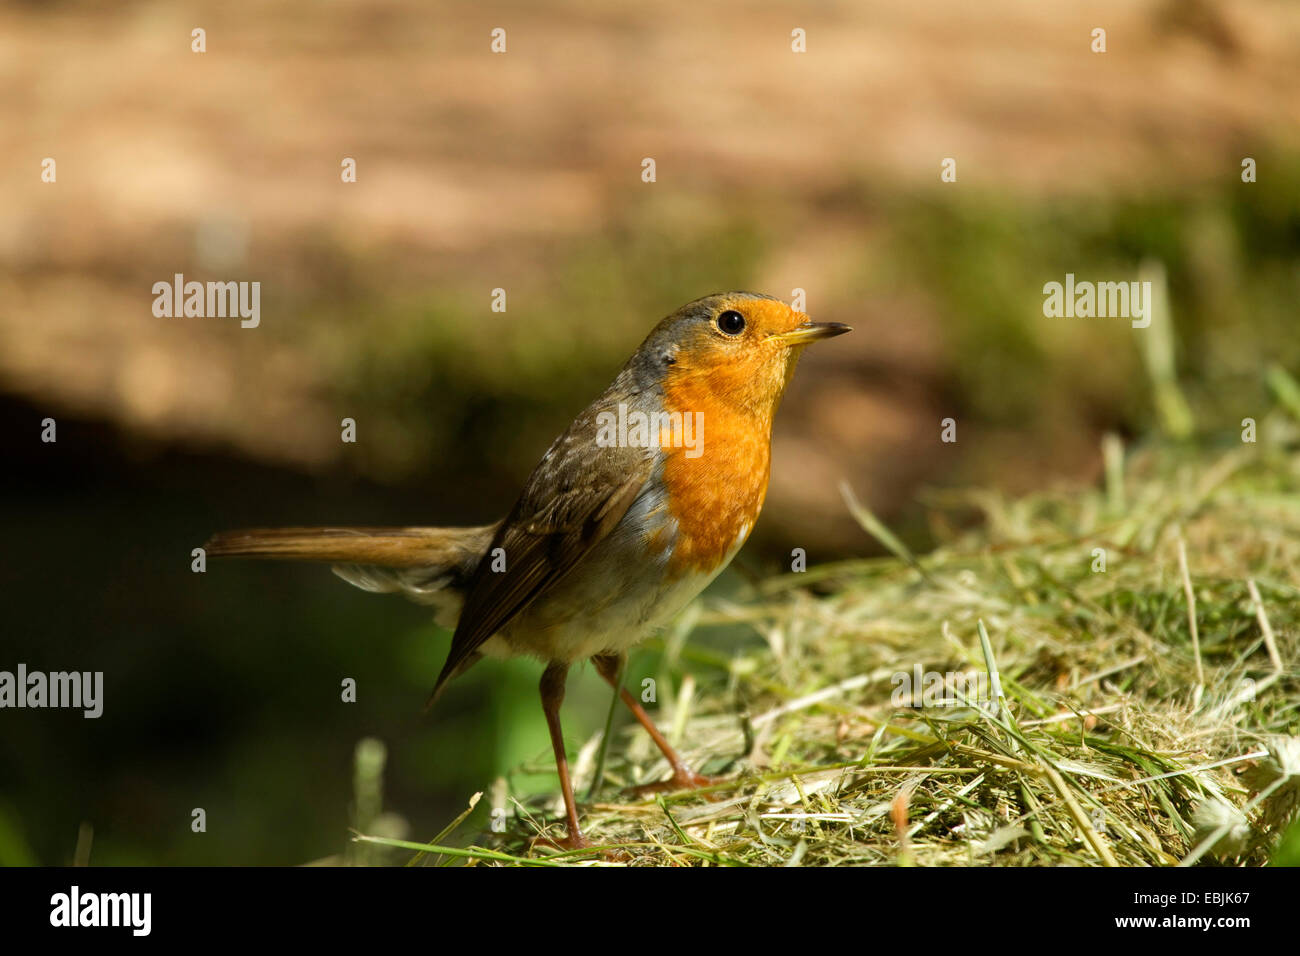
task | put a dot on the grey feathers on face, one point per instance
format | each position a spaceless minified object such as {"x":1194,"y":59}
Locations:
{"x":659,"y":350}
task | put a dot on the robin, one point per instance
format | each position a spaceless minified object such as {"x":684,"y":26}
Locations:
{"x":632,"y":511}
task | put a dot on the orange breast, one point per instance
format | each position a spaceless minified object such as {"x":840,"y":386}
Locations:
{"x":716,"y":495}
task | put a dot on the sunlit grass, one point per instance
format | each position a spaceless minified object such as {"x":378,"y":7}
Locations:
{"x":1120,"y":741}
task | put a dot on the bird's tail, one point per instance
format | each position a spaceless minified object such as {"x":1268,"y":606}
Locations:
{"x":429,"y":565}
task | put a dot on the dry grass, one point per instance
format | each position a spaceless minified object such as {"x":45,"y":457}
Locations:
{"x":1132,"y":730}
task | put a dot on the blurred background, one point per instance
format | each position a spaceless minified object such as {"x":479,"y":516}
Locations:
{"x":775,"y":171}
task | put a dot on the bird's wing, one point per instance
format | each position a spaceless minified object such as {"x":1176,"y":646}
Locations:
{"x":572,"y":500}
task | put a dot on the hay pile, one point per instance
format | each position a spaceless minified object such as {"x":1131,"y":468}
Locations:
{"x":1141,"y":715}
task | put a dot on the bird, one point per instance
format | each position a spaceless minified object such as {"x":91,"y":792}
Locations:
{"x":632,"y":511}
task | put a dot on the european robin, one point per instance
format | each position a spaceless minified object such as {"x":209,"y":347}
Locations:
{"x":632,"y":511}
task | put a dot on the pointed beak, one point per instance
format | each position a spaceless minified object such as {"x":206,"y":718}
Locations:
{"x":811,"y":332}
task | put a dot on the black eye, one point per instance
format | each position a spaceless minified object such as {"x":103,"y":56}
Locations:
{"x":731,"y":322}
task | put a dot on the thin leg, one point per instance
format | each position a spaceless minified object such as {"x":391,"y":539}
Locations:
{"x":552,"y":688}
{"x":683,"y":778}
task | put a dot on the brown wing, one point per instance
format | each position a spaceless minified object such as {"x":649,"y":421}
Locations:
{"x":572,"y":500}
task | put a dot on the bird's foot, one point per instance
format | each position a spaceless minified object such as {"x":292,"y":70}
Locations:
{"x":560,"y":844}
{"x":683,"y":778}
{"x":579,"y":842}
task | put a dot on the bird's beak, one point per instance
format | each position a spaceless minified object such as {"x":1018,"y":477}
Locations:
{"x":811,"y":332}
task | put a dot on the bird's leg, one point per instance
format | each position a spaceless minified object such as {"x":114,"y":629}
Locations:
{"x":552,"y":688}
{"x":683,"y":778}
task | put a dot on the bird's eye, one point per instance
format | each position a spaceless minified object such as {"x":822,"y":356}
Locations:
{"x":731,"y":322}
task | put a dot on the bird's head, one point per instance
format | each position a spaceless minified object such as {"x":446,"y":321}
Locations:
{"x":736,"y":350}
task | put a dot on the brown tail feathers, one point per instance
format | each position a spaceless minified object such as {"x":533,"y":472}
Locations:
{"x":429,"y":565}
